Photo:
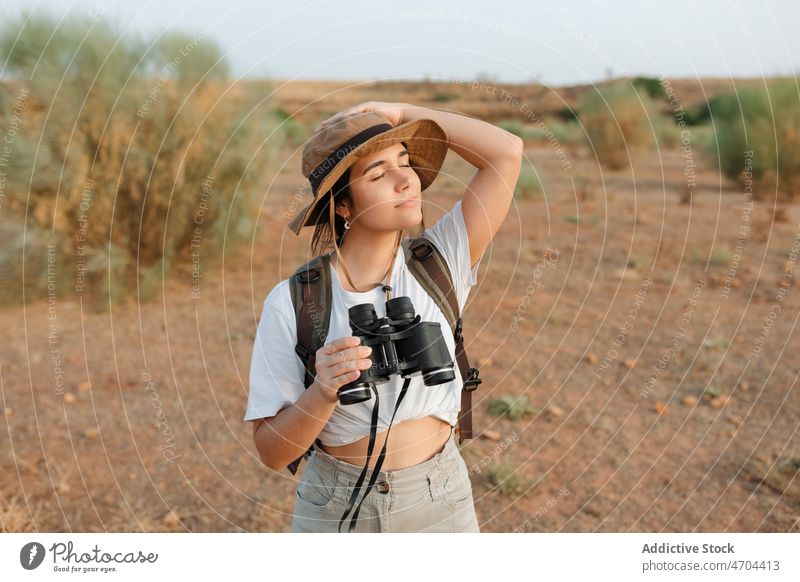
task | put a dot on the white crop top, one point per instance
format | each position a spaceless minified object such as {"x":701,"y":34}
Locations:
{"x":276,"y":372}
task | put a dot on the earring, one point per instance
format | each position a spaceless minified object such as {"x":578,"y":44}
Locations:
{"x":346,"y":224}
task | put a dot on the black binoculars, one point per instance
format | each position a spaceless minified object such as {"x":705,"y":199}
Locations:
{"x":401,"y":344}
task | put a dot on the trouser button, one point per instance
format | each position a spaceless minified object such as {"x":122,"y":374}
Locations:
{"x":383,"y":487}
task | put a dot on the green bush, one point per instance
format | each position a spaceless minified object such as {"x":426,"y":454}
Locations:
{"x":651,"y":86}
{"x":616,"y":120}
{"x":124,"y":148}
{"x":758,"y":129}
{"x":554,"y":128}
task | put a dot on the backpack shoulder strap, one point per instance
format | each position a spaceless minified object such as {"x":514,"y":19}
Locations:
{"x":310,"y":287}
{"x":429,"y":267}
{"x":311,"y":297}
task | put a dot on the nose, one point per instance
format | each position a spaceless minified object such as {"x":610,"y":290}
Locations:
{"x":403,"y":180}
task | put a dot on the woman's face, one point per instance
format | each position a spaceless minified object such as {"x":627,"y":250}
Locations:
{"x":378,"y":183}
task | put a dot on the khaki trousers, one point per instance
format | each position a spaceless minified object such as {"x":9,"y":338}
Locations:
{"x":432,"y":496}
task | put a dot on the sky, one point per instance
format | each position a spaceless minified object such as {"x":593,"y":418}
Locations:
{"x":554,"y":42}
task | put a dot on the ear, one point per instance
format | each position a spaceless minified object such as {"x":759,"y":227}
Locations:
{"x":342,"y":209}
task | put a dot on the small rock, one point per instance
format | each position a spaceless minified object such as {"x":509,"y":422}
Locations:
{"x":744,"y":385}
{"x":491,"y":435}
{"x":171,"y":519}
{"x":555,"y":411}
{"x":591,"y":358}
{"x":719,"y":401}
{"x":629,"y":363}
{"x":661,"y":408}
{"x":63,"y":487}
{"x":91,"y":433}
{"x":84,"y":386}
{"x":69,"y":398}
{"x":8,"y":411}
{"x":485,"y":361}
{"x":689,"y":401}
{"x":735,"y":420}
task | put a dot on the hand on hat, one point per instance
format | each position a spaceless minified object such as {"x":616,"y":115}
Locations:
{"x":392,"y":111}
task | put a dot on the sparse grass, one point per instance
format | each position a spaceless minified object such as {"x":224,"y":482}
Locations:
{"x":530,"y":183}
{"x":512,"y":407}
{"x":719,"y":257}
{"x":18,"y":516}
{"x":512,"y":126}
{"x":636,"y":262}
{"x":505,"y":480}
{"x":712,"y":391}
{"x":572,"y":219}
{"x":716,"y":343}
{"x":442,"y":97}
{"x":554,"y":129}
{"x":782,"y":475}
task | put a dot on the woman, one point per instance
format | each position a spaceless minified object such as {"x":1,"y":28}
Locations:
{"x":368,"y":166}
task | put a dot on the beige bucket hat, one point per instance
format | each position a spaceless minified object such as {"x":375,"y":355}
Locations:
{"x":336,"y":147}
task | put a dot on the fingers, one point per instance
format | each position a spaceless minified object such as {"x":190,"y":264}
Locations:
{"x":347,"y":366}
{"x":341,"y":344}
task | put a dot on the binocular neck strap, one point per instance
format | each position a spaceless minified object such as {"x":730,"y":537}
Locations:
{"x":376,"y":470}
{"x":339,"y":258}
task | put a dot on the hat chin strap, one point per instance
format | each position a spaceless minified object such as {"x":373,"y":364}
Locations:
{"x":386,"y":287}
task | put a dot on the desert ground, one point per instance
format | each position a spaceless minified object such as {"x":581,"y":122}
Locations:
{"x":656,"y":355}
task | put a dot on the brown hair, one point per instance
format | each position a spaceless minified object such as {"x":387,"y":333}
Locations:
{"x":322,"y":238}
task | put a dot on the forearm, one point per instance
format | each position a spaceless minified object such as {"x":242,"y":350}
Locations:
{"x":288,"y":435}
{"x":478,"y":142}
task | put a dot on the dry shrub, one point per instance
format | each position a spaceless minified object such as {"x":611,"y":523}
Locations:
{"x":126,"y":151}
{"x":18,"y":515}
{"x":616,"y":120}
{"x":757,"y":141}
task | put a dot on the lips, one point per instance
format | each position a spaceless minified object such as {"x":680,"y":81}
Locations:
{"x":413,"y":198}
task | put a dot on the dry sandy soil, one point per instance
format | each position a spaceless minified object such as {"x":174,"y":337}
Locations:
{"x":687,"y":428}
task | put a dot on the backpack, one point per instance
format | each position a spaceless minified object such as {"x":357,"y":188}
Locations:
{"x":310,"y":288}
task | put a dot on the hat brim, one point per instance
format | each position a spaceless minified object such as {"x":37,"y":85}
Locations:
{"x":427,"y":144}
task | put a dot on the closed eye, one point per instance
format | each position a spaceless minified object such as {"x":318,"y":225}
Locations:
{"x":375,"y":179}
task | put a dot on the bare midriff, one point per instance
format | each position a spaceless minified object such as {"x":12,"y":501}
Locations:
{"x":411,"y":442}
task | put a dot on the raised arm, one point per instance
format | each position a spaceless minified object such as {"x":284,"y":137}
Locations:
{"x":496,"y":153}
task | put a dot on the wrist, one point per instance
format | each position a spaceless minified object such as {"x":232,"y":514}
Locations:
{"x":325,"y":394}
{"x":407,"y":113}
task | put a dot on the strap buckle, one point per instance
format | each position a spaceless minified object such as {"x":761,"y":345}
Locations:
{"x":424,"y":247}
{"x":457,"y":332}
{"x":308,"y":276}
{"x":472,"y":380}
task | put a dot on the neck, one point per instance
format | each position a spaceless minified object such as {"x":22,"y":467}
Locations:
{"x":367,"y":255}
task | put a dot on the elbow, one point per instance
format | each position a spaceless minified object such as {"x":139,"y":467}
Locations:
{"x":517,"y":148}
{"x":269,"y":461}
{"x":512,"y":153}
{"x":270,"y":464}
